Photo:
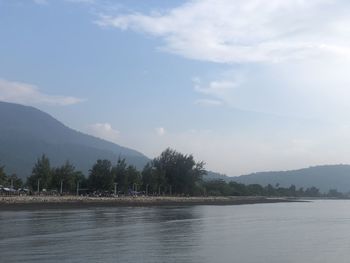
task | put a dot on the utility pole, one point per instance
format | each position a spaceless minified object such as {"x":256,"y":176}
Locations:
{"x":38,"y":186}
{"x":115,"y":188}
{"x":78,"y":188}
{"x":61,"y":187}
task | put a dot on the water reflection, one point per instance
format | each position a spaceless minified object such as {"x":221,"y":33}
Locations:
{"x":122,"y":234}
{"x":271,"y":233}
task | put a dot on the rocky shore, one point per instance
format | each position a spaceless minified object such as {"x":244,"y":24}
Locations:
{"x":66,"y":202}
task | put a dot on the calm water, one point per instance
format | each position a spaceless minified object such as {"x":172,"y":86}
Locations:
{"x":292,"y":232}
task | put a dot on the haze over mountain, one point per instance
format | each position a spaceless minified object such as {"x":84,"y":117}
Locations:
{"x":323,"y":177}
{"x":26,"y":133}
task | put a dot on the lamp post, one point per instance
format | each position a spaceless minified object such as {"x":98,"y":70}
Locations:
{"x":115,"y":188}
{"x":77,"y":188}
{"x":38,"y":189}
{"x":61,"y":191}
{"x":147,"y":189}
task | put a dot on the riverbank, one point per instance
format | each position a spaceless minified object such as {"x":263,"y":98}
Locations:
{"x":66,"y":202}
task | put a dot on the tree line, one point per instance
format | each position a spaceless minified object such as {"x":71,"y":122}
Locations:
{"x":222,"y":188}
{"x":171,"y":173}
{"x":9,"y":180}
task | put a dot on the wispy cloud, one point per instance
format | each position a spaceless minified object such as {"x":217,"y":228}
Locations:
{"x":208,"y":102}
{"x":242,"y":31}
{"x":219,"y":91}
{"x":160,"y":131}
{"x":283,"y":57}
{"x":214,"y":88}
{"x":104,"y":131}
{"x":25,"y":93}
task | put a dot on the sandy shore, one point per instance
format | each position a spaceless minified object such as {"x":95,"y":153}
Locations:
{"x":52,"y":202}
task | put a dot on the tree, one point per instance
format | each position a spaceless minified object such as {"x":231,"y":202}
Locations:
{"x":67,"y":175}
{"x":134,"y":176}
{"x":100,"y":177}
{"x":255,"y":189}
{"x":237,"y":189}
{"x":3,"y":176}
{"x":177,"y":172}
{"x":15,"y":181}
{"x":312,"y":192}
{"x":120,"y":175}
{"x":270,"y":191}
{"x":148,"y":177}
{"x":335,"y":194}
{"x":41,"y":172}
{"x":217,"y":187}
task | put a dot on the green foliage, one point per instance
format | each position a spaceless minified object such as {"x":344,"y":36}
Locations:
{"x":134,"y":176}
{"x":11,"y":180}
{"x":217,"y":188}
{"x":15,"y":181}
{"x":41,"y":172}
{"x":67,"y":175}
{"x":312,"y":192}
{"x":120,"y":175}
{"x":173,"y":172}
{"x":101,"y":177}
{"x":3,"y":176}
{"x":333,"y":193}
{"x":170,"y":173}
{"x":126,"y":176}
{"x":149,"y":179}
{"x":221,"y":188}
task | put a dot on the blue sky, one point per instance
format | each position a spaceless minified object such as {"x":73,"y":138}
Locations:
{"x":243,"y":85}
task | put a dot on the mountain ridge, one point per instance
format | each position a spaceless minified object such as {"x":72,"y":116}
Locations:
{"x":324,"y":177}
{"x":27,"y":132}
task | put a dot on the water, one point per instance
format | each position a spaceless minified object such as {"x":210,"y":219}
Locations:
{"x":287,"y":232}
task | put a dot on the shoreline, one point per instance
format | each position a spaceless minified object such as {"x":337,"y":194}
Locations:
{"x":76,"y":202}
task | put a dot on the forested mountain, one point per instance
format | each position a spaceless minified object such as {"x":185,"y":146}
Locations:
{"x":26,"y":133}
{"x":324,"y":177}
{"x":216,"y":176}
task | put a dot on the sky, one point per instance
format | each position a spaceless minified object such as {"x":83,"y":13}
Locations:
{"x":243,"y":85}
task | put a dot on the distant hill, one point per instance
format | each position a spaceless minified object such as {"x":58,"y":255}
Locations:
{"x":26,"y":133}
{"x":216,"y":176}
{"x":323,"y":177}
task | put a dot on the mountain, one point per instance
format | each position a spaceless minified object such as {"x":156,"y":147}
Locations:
{"x":26,"y":133}
{"x":216,"y":176}
{"x":324,"y":177}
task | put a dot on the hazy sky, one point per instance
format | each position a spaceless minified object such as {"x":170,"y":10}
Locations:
{"x":244,"y":85}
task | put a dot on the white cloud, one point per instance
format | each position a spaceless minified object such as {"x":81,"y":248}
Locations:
{"x":104,"y":131}
{"x":24,"y":93}
{"x":208,"y":102}
{"x":219,"y":89}
{"x":160,"y":131}
{"x":285,"y":57}
{"x":242,"y":31}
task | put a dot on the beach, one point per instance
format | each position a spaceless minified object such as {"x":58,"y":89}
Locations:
{"x":66,"y":202}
